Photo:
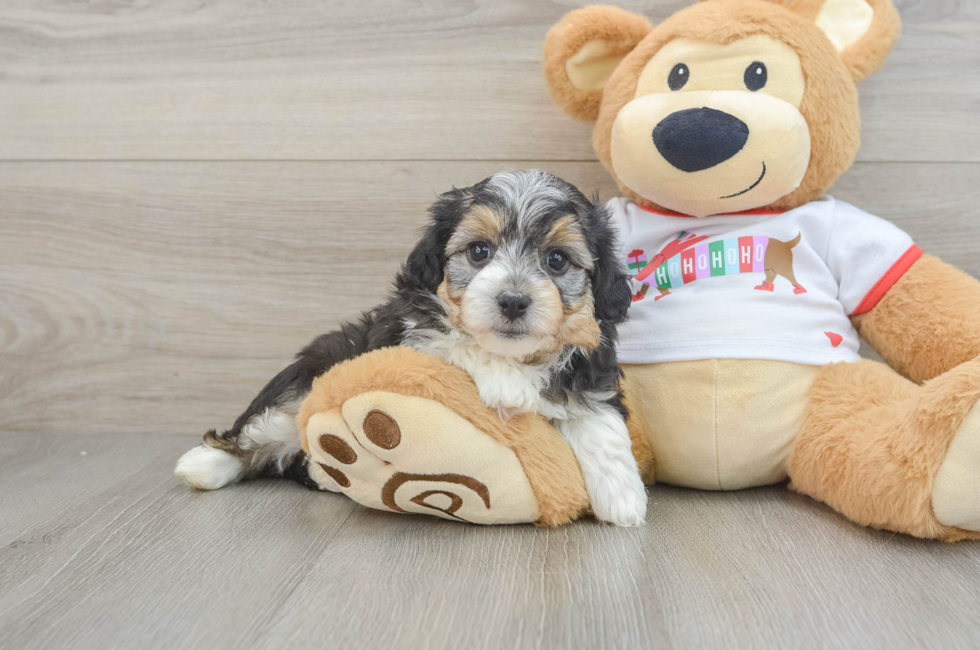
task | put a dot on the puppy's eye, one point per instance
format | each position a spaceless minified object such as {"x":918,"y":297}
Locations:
{"x":678,"y":76}
{"x":756,"y":76}
{"x":557,"y":261}
{"x":479,"y":252}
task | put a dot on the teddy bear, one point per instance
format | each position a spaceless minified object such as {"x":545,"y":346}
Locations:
{"x":724,"y":127}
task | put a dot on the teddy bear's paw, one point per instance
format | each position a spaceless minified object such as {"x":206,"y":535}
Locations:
{"x":956,"y":490}
{"x":413,"y":455}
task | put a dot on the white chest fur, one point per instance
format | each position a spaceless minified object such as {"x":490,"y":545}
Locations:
{"x":505,"y":384}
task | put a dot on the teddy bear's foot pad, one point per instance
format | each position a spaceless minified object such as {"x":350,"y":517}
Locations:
{"x":412,"y":455}
{"x":956,"y":491}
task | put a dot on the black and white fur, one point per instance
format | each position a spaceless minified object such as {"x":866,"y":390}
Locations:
{"x":513,"y":362}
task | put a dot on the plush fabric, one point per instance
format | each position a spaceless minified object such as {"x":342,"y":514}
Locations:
{"x":956,"y":490}
{"x":616,"y":29}
{"x":872,"y":443}
{"x":717,"y":424}
{"x":829,"y":104}
{"x":549,"y":464}
{"x":411,"y":454}
{"x":928,"y":322}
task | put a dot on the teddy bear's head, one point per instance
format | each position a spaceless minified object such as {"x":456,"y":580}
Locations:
{"x":726,"y":106}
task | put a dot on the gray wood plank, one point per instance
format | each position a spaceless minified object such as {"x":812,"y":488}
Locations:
{"x":159,"y":297}
{"x":149,"y":563}
{"x":42,"y":476}
{"x":761,"y":568}
{"x":433,"y":80}
{"x":165,"y":295}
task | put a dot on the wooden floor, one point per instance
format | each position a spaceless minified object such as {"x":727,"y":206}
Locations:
{"x":191,"y":190}
{"x":101,"y":548}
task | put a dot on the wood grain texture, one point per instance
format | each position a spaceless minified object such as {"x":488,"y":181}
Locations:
{"x":160,"y":297}
{"x":192,"y":189}
{"x":145,"y":562}
{"x":128,"y":284}
{"x":382,"y":79}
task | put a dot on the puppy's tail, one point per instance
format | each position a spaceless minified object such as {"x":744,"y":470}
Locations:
{"x":208,"y":467}
{"x":266,"y":446}
{"x":795,"y":241}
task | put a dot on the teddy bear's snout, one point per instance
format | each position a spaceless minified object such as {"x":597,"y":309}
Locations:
{"x":699,"y":138}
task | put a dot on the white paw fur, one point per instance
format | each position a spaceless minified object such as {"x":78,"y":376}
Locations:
{"x":509,"y":393}
{"x":207,"y":468}
{"x":602,"y":445}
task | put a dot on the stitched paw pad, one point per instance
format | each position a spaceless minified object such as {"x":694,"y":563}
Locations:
{"x":408,"y":454}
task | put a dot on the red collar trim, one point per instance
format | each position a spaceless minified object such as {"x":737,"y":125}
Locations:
{"x":747,"y":213}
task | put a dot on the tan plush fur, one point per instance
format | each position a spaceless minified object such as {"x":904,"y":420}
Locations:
{"x":928,"y":323}
{"x":829,"y":103}
{"x":620,"y":29}
{"x":866,"y":56}
{"x":548,"y":462}
{"x":642,"y":450}
{"x":872,"y":441}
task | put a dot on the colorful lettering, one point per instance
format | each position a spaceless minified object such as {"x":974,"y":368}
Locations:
{"x":731,"y":256}
{"x":745,"y":245}
{"x":674,"y":271}
{"x":759,"y":248}
{"x":717,"y":251}
{"x":724,"y":257}
{"x":701,"y":261}
{"x":687,"y":266}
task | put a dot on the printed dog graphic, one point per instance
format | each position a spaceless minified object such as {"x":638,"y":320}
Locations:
{"x":682,"y":262}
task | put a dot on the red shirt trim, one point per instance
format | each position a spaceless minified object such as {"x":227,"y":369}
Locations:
{"x":670,"y":213}
{"x":888,"y":280}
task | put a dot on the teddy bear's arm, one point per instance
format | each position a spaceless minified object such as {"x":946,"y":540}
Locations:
{"x":926,"y":324}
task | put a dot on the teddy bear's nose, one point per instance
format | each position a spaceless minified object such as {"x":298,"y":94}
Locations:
{"x":699,"y":138}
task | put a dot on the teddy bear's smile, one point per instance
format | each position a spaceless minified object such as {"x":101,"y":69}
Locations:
{"x":750,"y":187}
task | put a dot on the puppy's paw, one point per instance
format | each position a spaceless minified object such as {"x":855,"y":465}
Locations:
{"x":508,"y":394}
{"x":620,"y":502}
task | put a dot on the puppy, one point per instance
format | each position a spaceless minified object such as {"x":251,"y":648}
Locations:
{"x":516,"y":281}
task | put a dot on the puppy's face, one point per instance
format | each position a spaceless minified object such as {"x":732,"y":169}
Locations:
{"x":518,"y":268}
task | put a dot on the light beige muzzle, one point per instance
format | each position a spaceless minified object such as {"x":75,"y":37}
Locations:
{"x":770,"y":165}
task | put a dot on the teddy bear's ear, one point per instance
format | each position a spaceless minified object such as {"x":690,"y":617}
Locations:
{"x":863,"y":31}
{"x":581,"y":52}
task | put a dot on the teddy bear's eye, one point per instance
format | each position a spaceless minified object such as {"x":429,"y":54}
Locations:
{"x":678,"y":76}
{"x":756,"y":76}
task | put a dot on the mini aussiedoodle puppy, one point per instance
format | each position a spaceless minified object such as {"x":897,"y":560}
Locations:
{"x":517,"y":281}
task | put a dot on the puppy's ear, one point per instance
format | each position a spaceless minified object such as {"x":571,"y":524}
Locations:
{"x":426,"y":263}
{"x":581,"y":52}
{"x":610,"y":283}
{"x":863,"y":31}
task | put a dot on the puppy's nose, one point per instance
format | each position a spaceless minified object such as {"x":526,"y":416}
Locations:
{"x":513,"y":305}
{"x":699,"y":138}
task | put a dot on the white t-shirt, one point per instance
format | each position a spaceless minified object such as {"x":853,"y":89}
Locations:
{"x":755,"y":285}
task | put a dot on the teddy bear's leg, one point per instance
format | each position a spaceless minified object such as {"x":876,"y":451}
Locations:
{"x":893,"y":454}
{"x":402,"y":431}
